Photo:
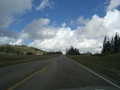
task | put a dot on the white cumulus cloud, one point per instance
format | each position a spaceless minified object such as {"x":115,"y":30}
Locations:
{"x":44,"y":4}
{"x":38,"y":30}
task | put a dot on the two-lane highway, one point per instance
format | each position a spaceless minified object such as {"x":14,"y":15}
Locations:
{"x":50,"y":74}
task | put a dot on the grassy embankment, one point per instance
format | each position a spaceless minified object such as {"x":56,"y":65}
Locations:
{"x":8,"y":60}
{"x":19,"y":50}
{"x":108,"y":65}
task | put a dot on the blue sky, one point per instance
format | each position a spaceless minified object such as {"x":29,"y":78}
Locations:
{"x":57,"y":24}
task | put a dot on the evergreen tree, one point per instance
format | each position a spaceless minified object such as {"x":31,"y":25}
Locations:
{"x":111,"y":46}
{"x":72,"y":51}
{"x":108,"y":47}
{"x":116,"y":43}
{"x":104,"y":45}
{"x":119,"y":44}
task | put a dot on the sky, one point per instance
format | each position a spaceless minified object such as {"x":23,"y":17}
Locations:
{"x":54,"y":25}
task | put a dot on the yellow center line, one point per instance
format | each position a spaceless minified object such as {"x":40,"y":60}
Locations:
{"x":39,"y":71}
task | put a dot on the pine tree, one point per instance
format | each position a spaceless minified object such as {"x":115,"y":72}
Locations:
{"x":116,"y":43}
{"x":108,"y":47}
{"x":112,"y":44}
{"x":104,"y":45}
{"x":119,"y":44}
{"x":72,"y":51}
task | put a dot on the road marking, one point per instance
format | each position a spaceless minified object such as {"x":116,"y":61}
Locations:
{"x":96,"y":74}
{"x":39,"y":71}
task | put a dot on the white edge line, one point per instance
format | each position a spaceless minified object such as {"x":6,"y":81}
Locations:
{"x":96,"y":74}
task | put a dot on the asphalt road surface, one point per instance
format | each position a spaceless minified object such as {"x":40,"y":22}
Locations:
{"x":50,"y":74}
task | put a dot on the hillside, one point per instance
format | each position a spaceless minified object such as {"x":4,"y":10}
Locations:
{"x":19,"y":50}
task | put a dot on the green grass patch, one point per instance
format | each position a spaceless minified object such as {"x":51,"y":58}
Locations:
{"x":9,"y":60}
{"x":108,"y":65}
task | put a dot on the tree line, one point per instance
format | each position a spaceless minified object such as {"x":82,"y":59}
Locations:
{"x":54,"y":52}
{"x":111,"y":46}
{"x":72,"y":51}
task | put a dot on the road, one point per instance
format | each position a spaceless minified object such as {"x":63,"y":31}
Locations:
{"x":50,"y":74}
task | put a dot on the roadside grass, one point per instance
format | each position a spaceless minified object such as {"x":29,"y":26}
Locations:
{"x":108,"y":64}
{"x":9,"y":60}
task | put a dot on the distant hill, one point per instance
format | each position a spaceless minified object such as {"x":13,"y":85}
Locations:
{"x":8,"y":49}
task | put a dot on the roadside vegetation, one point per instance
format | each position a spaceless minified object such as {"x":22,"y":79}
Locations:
{"x":107,"y":64}
{"x":9,"y":60}
{"x":17,"y":54}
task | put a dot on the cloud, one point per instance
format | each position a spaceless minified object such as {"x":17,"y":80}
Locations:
{"x":62,"y":39}
{"x":43,"y":4}
{"x":10,"y":37}
{"x":38,"y":30}
{"x":81,"y":20}
{"x":17,"y":42}
{"x":9,"y":10}
{"x":7,"y":40}
{"x":64,"y":24}
{"x":113,"y":4}
{"x":8,"y":33}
